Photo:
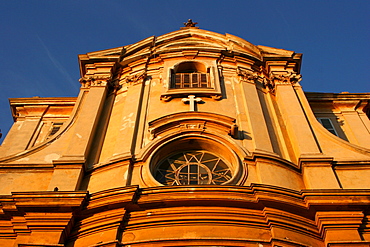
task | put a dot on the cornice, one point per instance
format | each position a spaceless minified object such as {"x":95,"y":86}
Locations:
{"x":43,"y":101}
{"x":309,"y":212}
{"x":112,"y":198}
{"x":316,"y":96}
{"x":39,"y":200}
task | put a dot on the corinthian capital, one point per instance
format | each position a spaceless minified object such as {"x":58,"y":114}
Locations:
{"x":247,"y":76}
{"x":95,"y":81}
{"x":288,"y":78}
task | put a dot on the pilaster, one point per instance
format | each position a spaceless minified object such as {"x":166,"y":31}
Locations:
{"x":94,"y":87}
{"x":319,"y":174}
{"x":299,"y":131}
{"x":359,"y":131}
{"x":254,"y":110}
{"x":128,"y":127}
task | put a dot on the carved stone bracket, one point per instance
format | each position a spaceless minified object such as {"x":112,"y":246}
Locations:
{"x":95,"y":81}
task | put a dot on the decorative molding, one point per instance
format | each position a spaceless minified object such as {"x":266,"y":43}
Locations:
{"x":285,"y":79}
{"x":166,"y":98}
{"x":216,"y":97}
{"x":190,"y":54}
{"x":95,"y":81}
{"x":193,"y":121}
{"x":258,"y":207}
{"x":247,"y":75}
{"x":280,"y":79}
{"x":132,"y":80}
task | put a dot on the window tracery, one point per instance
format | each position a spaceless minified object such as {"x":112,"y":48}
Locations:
{"x":193,"y":168}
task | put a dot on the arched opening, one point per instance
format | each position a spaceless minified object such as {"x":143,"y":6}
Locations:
{"x":190,"y":75}
{"x":194,"y":161}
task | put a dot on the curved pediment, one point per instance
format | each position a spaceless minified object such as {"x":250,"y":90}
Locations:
{"x":206,"y":43}
{"x":193,"y":121}
{"x":198,"y":38}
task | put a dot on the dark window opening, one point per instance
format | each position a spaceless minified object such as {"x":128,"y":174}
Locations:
{"x":326,"y":122}
{"x":55,"y":128}
{"x":190,"y":75}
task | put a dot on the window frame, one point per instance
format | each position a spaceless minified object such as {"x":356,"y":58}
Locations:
{"x":214,"y":89}
{"x":331,"y":129}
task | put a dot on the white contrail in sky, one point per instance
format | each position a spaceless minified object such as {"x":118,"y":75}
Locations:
{"x":58,"y":66}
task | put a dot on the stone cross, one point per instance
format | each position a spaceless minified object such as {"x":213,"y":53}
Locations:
{"x":191,"y":99}
{"x":190,"y":23}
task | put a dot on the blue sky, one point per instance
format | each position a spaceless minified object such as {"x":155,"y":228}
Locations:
{"x":40,"y":40}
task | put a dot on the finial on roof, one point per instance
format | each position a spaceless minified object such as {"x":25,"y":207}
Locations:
{"x":190,"y":23}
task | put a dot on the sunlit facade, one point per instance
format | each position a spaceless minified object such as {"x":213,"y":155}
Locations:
{"x":192,"y":138}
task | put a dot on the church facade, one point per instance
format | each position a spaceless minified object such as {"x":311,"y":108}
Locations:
{"x":192,"y":138}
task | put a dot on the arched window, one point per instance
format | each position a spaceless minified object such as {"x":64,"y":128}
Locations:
{"x":190,"y":75}
{"x":193,"y":167}
{"x":195,"y":161}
